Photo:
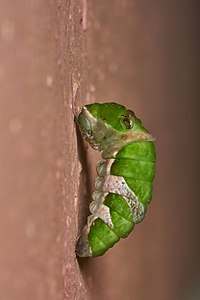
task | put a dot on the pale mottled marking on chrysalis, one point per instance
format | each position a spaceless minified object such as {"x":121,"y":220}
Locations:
{"x":125,"y":175}
{"x":98,"y":209}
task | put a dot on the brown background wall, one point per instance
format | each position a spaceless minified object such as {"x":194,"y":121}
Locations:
{"x":56,"y":56}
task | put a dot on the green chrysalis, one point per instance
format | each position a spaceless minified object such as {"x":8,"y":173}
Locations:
{"x":125,"y":175}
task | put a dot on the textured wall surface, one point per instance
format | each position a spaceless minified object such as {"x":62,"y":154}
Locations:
{"x":56,"y":56}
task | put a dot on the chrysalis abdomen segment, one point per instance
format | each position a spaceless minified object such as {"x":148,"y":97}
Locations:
{"x":101,"y":236}
{"x":135,"y":163}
